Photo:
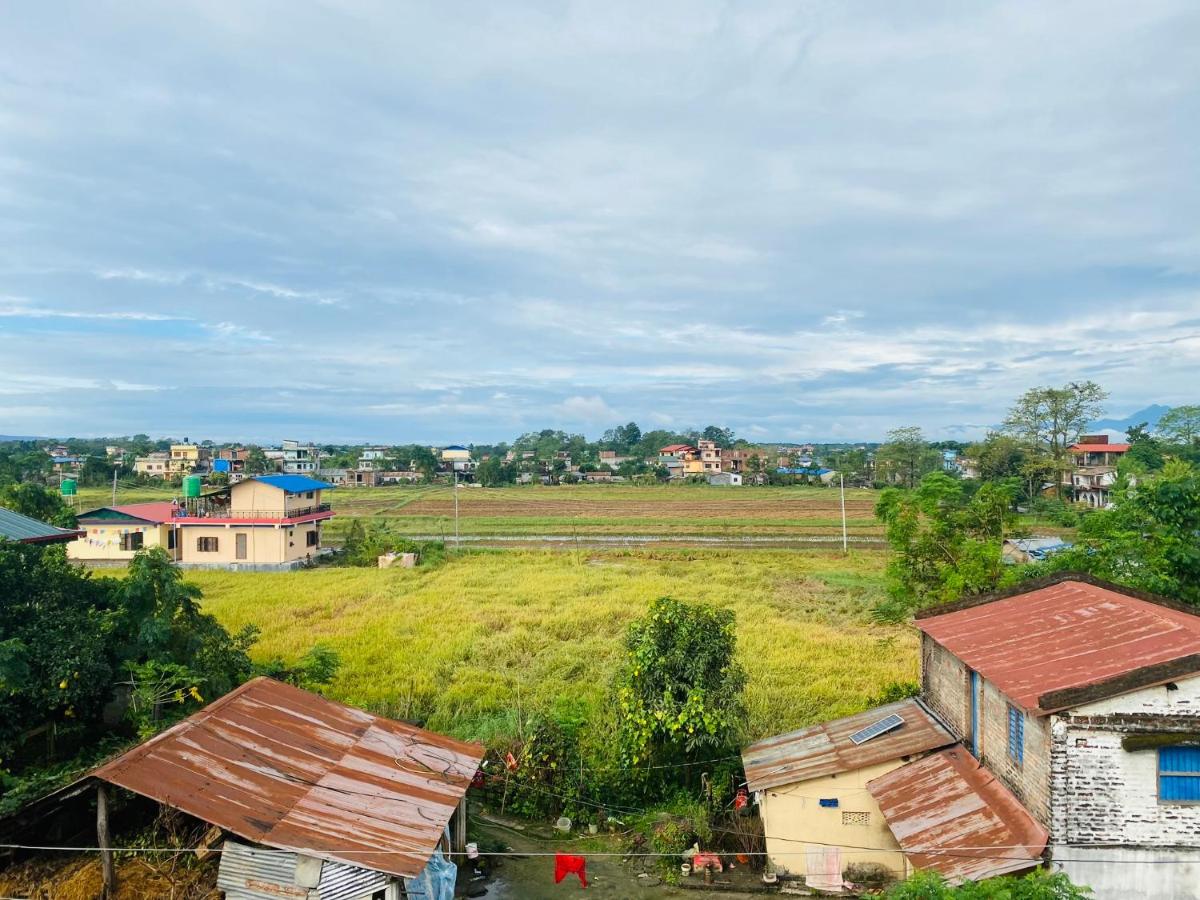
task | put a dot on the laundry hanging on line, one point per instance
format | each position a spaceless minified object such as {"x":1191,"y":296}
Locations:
{"x":566,"y":864}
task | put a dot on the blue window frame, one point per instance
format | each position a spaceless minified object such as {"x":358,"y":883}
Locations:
{"x":1179,"y":774}
{"x":1016,"y":734}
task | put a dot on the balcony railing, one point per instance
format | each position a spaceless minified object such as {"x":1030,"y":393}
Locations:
{"x":275,"y":513}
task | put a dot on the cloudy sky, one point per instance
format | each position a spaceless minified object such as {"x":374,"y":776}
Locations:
{"x":438,"y":222}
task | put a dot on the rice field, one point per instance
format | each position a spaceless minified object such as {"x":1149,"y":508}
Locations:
{"x":460,"y":646}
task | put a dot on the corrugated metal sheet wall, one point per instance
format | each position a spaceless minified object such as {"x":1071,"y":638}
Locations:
{"x":252,"y":873}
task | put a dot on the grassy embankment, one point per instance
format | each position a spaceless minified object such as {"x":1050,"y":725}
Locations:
{"x":452,"y":645}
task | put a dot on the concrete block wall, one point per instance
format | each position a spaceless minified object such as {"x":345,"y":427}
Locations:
{"x":1028,"y":779}
{"x":944,"y":685}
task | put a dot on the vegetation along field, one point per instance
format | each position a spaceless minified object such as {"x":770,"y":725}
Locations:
{"x":460,"y":645}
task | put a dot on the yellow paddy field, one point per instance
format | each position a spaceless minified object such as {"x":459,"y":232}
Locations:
{"x":460,"y":645}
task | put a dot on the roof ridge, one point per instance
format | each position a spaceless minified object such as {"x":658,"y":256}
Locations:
{"x":1036,"y":584}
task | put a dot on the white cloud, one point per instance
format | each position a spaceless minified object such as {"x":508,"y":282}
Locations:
{"x":592,"y":410}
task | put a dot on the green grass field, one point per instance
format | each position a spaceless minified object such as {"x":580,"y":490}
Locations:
{"x":456,"y":645}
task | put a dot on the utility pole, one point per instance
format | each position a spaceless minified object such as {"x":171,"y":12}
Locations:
{"x":115,"y":470}
{"x":842,"y":482}
{"x":456,"y":540}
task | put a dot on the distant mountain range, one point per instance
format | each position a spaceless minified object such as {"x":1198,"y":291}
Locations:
{"x":4,"y":438}
{"x":1151,"y":414}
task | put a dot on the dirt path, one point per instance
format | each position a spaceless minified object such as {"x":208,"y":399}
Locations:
{"x":609,"y":877}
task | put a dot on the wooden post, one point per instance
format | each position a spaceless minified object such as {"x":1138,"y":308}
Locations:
{"x":104,"y":841}
{"x":460,"y":827}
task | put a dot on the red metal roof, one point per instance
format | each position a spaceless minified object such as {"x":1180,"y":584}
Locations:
{"x":826,"y":749}
{"x":1099,"y":448}
{"x":290,"y":769}
{"x":950,"y":814}
{"x":1070,"y":634}
{"x":157,"y":511}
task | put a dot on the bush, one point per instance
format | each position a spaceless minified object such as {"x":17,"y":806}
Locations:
{"x":1037,"y":885}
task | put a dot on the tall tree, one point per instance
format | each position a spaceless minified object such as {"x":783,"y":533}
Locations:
{"x":257,"y":462}
{"x":947,"y":542}
{"x":906,"y":456}
{"x":1048,"y":420}
{"x":1180,"y":425}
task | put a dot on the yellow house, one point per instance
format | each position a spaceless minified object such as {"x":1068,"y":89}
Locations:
{"x":811,"y":788}
{"x":185,"y":458}
{"x":266,"y":522}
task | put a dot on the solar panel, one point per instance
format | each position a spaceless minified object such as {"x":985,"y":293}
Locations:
{"x":875,"y":730}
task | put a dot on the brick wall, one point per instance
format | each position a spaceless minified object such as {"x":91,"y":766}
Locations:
{"x":1108,"y":795}
{"x":944,"y":685}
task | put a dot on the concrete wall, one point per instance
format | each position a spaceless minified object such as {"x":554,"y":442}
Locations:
{"x":257,"y":496}
{"x":944,"y":685}
{"x":792,"y":815}
{"x":103,"y":542}
{"x":1120,"y":873}
{"x":265,"y":544}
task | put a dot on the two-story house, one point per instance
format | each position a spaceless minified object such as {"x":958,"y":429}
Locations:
{"x":1073,"y":710}
{"x":1083,"y":699}
{"x":1095,"y":469}
{"x":184,"y":459}
{"x":299,"y":459}
{"x":264,"y":522}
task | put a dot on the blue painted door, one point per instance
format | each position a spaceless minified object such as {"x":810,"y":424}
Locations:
{"x":975,"y":714}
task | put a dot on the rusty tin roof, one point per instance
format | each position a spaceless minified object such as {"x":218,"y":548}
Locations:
{"x":826,"y":749}
{"x":950,"y":814}
{"x":289,"y":769}
{"x":1064,"y":635}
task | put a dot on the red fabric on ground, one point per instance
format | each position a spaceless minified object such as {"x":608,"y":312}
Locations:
{"x":565,"y":864}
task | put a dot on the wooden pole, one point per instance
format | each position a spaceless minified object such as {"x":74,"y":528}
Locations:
{"x":104,"y":841}
{"x":460,"y":827}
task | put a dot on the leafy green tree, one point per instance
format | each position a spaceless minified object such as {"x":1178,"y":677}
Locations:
{"x":906,"y":457}
{"x":1180,"y":425}
{"x":37,"y":502}
{"x":1047,"y":421}
{"x":257,"y":462}
{"x":679,"y":692}
{"x":946,"y":541}
{"x":1148,"y":539}
{"x":1145,"y":451}
{"x":55,"y":667}
{"x":494,"y":472}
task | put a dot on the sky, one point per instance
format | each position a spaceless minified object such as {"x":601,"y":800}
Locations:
{"x":444,"y":222}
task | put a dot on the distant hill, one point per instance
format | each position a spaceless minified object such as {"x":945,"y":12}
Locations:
{"x":1151,"y":414}
{"x":6,"y":438}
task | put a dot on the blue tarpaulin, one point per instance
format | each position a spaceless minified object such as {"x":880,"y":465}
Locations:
{"x":436,"y":882}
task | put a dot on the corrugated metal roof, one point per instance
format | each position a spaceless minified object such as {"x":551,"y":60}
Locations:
{"x":1099,"y":448}
{"x":25,"y":530}
{"x":950,"y":814}
{"x":289,"y":769}
{"x":826,"y":749}
{"x":292,"y":484}
{"x":1069,"y":634}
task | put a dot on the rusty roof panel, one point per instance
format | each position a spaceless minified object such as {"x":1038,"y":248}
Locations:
{"x":289,"y":769}
{"x":826,"y":749}
{"x":950,"y":814}
{"x":1066,"y":635}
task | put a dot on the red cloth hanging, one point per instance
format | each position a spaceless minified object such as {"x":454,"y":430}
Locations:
{"x":565,"y":864}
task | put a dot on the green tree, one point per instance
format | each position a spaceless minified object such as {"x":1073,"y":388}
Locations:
{"x":1048,"y":420}
{"x":1036,"y":885}
{"x":37,"y":502}
{"x":257,"y":462}
{"x":946,"y":541}
{"x":679,"y":692}
{"x":1148,"y":539}
{"x":1145,"y":451}
{"x":1180,"y":425}
{"x":906,"y":457}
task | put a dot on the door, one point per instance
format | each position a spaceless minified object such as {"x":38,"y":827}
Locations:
{"x":240,"y":546}
{"x":975,"y":714}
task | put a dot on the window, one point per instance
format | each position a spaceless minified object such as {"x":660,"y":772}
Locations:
{"x":206,"y":545}
{"x":1016,"y":735}
{"x":856,"y":818}
{"x":132,"y":541}
{"x":171,"y":539}
{"x":311,"y":538}
{"x":308,"y":496}
{"x":1179,"y":774}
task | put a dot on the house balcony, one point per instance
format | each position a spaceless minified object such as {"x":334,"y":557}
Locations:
{"x":224,"y":514}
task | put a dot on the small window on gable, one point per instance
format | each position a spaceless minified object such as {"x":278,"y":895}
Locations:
{"x":1179,"y":774}
{"x":1016,"y":735}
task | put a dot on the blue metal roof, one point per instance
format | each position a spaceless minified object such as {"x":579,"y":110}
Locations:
{"x":797,"y":470}
{"x":293,"y":484}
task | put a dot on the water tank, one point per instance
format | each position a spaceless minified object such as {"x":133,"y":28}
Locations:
{"x":68,"y":487}
{"x":191,"y":486}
